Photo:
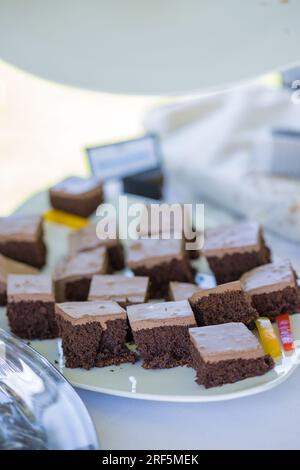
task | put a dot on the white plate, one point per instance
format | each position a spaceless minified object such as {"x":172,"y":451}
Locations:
{"x":131,"y":380}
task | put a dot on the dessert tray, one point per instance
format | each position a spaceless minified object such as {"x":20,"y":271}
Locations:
{"x":131,"y":380}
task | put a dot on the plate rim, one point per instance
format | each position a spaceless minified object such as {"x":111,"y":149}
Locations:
{"x":191,"y":398}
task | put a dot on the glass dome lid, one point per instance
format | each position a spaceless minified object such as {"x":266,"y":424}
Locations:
{"x":38,"y":408}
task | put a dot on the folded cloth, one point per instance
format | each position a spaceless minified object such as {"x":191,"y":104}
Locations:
{"x":207,"y":147}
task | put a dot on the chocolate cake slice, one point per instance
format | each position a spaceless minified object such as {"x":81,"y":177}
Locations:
{"x":30,"y":306}
{"x":9,"y":266}
{"x":91,"y":237}
{"x":182,"y":290}
{"x":93,"y":334}
{"x":122,"y":289}
{"x":162,"y":261}
{"x":273,"y":289}
{"x":168,"y":220}
{"x":76,"y":195}
{"x":223,"y":304}
{"x":232,"y":250}
{"x":160,"y":331}
{"x":21,"y":238}
{"x":223,"y":354}
{"x":73,"y":274}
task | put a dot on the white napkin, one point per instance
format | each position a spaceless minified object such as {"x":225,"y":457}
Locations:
{"x":207,"y":146}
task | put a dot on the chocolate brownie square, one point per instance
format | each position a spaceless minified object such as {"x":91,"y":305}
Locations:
{"x":21,"y":238}
{"x":9,"y":266}
{"x":224,"y":354}
{"x":76,"y":195}
{"x":160,"y":331}
{"x":122,"y":289}
{"x":73,"y":274}
{"x":93,"y":334}
{"x":174,"y":223}
{"x":182,"y":290}
{"x":223,"y":304}
{"x":273,"y":289}
{"x":162,"y":261}
{"x":91,"y":237}
{"x":30,"y":306}
{"x":232,"y":250}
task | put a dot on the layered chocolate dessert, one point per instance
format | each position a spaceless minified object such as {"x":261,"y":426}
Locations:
{"x":21,"y":239}
{"x":273,"y":289}
{"x":223,"y":304}
{"x":30,"y":306}
{"x":122,"y":289}
{"x":160,"y":331}
{"x":9,"y":266}
{"x":223,"y":354}
{"x":176,"y":224}
{"x":91,"y":237}
{"x":232,"y":250}
{"x":162,"y":261}
{"x":73,"y":274}
{"x":93,"y":334}
{"x":76,"y":195}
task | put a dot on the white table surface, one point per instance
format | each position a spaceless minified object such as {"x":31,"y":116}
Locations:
{"x":270,"y":420}
{"x":267,"y":421}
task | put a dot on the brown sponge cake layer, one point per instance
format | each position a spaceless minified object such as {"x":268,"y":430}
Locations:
{"x":231,"y":267}
{"x":116,"y":257}
{"x":215,"y":374}
{"x":273,"y":288}
{"x":3,"y":298}
{"x":83,"y":207}
{"x":161,"y":274}
{"x":88,"y":345}
{"x":225,"y":307}
{"x":163,"y":346}
{"x":112,"y":348}
{"x":32,"y":253}
{"x":274,"y":303}
{"x":32,"y":320}
{"x":80,"y":343}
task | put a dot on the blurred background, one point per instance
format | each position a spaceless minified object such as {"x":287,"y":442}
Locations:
{"x":229,"y":135}
{"x":238,"y":149}
{"x":44,"y":128}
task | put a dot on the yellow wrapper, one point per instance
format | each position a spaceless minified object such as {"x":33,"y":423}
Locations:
{"x":63,"y":218}
{"x":268,"y":337}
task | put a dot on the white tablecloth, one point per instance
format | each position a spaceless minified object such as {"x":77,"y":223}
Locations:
{"x":266,"y":421}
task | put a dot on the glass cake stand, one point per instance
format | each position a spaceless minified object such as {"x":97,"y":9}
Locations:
{"x":38,"y":407}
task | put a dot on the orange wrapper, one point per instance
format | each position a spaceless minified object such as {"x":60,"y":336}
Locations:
{"x":285,"y":331}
